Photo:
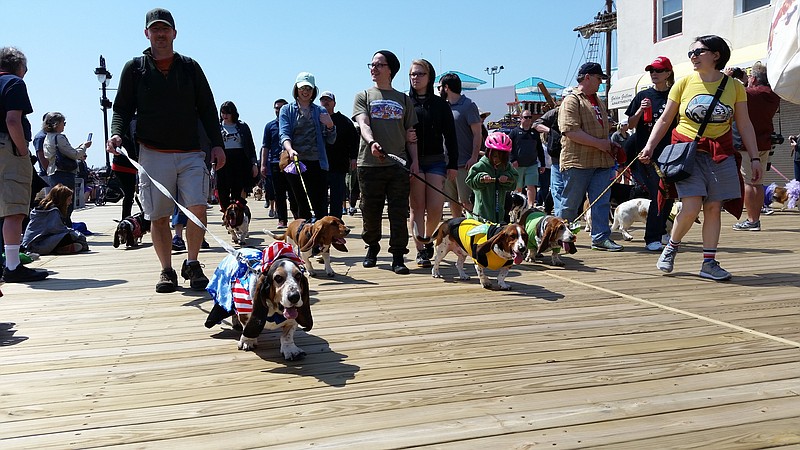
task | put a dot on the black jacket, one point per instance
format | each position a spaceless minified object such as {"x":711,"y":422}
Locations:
{"x":527,"y":148}
{"x":434,"y":121}
{"x":167,"y":108}
{"x":345,"y":147}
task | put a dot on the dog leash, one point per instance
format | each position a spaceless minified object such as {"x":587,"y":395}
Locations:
{"x":296,"y":162}
{"x":772,"y":166}
{"x":402,"y":162}
{"x":621,"y":173}
{"x":227,"y":247}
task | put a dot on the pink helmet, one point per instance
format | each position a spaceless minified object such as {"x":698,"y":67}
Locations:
{"x":499,"y":141}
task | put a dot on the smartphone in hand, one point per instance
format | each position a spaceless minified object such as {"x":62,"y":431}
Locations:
{"x":89,"y":138}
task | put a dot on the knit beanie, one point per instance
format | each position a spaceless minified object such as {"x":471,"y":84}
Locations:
{"x":391,"y":59}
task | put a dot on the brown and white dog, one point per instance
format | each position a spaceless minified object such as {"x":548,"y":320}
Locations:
{"x":258,"y":193}
{"x":276,"y":297}
{"x":237,"y":221}
{"x":280,"y":292}
{"x":316,"y":239}
{"x":130,"y":231}
{"x":546,"y":232}
{"x":491,"y":246}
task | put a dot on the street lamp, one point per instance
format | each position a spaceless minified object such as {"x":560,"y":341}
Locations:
{"x":103,"y":76}
{"x":494,"y":70}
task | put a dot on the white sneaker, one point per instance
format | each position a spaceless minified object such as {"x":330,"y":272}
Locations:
{"x":654,"y":246}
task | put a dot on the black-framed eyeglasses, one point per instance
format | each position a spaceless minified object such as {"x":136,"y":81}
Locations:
{"x":657,"y":70}
{"x":697,"y":52}
{"x":376,"y":65}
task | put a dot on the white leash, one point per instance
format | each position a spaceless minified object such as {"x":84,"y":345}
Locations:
{"x":227,"y":247}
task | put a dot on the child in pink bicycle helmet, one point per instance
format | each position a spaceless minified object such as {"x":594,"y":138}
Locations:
{"x":492,"y":177}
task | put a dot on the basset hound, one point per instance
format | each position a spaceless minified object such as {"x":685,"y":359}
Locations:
{"x":276,"y":297}
{"x":130,"y":230}
{"x":316,"y":238}
{"x":491,"y":246}
{"x":237,"y":221}
{"x":546,"y":232}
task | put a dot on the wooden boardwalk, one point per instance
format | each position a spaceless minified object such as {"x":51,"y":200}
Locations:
{"x":606,"y":352}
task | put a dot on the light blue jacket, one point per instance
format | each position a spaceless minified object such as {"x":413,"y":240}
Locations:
{"x":287,"y":120}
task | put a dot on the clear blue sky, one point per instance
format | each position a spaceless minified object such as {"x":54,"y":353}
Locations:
{"x":251,"y":51}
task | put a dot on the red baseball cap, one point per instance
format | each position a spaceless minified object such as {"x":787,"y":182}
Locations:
{"x":660,"y":63}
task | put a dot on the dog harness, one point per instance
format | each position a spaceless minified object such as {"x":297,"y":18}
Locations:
{"x":534,"y":226}
{"x":470,"y":234}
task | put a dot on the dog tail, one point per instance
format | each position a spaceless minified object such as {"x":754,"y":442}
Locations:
{"x":418,"y":237}
{"x":277,"y":237}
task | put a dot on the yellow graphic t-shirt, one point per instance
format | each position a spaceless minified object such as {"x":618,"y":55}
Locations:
{"x":694,"y":97}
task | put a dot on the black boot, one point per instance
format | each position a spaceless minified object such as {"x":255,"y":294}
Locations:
{"x":371,"y":260}
{"x":398,"y":266}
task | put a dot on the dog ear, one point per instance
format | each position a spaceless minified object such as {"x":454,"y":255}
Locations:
{"x":485,"y":247}
{"x":550,"y":230}
{"x":116,"y":238}
{"x":315,"y":231}
{"x":304,"y":318}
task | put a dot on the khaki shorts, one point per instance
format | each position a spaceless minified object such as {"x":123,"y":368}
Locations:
{"x":747,"y":169}
{"x":16,"y":173}
{"x":458,"y":189}
{"x":183,"y":174}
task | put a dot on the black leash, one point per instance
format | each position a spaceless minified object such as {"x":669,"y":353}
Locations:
{"x":402,"y":162}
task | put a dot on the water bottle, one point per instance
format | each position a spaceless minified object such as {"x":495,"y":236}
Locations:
{"x":647,"y":114}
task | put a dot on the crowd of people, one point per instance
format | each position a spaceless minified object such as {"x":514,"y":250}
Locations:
{"x":320,"y":161}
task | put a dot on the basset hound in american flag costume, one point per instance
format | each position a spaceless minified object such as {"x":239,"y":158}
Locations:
{"x":275,"y":296}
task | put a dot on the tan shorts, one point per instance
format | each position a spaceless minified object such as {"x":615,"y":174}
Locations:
{"x":183,"y":174}
{"x":16,"y":173}
{"x":458,"y":189}
{"x":747,"y":169}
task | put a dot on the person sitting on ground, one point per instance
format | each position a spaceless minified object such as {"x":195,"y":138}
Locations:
{"x":47,"y":232}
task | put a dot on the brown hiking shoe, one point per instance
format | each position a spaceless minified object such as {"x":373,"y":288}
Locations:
{"x":167,"y":282}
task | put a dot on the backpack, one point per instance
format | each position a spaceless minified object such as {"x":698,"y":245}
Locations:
{"x":554,"y":141}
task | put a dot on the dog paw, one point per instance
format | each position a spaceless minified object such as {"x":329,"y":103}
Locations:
{"x":247,"y":344}
{"x":559,"y":263}
{"x":331,"y":274}
{"x":292,"y":352}
{"x":504,"y":287}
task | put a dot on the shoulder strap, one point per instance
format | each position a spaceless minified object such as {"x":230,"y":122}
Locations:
{"x":711,"y":107}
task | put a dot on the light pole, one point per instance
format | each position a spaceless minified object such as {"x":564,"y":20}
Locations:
{"x":103,"y":76}
{"x":494,"y":70}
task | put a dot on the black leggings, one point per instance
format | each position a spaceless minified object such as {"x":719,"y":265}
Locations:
{"x":127,"y":182}
{"x":316,"y":181}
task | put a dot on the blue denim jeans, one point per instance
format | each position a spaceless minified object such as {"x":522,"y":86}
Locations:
{"x":557,"y":188}
{"x":578,"y":183}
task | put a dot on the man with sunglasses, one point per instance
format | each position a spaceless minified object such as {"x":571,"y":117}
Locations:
{"x":385,"y":116}
{"x":271,"y":149}
{"x":587,"y":164}
{"x":527,"y":155}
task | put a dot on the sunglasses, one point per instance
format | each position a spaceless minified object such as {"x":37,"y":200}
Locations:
{"x":417,"y":74}
{"x":697,"y":52}
{"x":527,"y":117}
{"x":658,"y":70}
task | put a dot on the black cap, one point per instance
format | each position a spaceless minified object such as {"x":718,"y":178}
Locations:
{"x":159,"y":15}
{"x":391,"y":59}
{"x":592,"y":68}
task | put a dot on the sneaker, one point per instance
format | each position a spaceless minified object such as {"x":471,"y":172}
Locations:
{"x":713,"y":271}
{"x":766,"y":210}
{"x":654,"y":246}
{"x":371,"y":259}
{"x":281,"y":224}
{"x":23,"y":274}
{"x":352,"y":211}
{"x":271,"y":214}
{"x":666,"y":262}
{"x":665,"y":239}
{"x":398,"y":265}
{"x":607,"y":245}
{"x":746,"y":225}
{"x":178,"y":244}
{"x":167,"y":281}
{"x":193,"y":271}
{"x":422,"y":259}
{"x":205,"y":245}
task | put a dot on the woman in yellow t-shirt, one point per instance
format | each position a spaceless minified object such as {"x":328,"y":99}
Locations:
{"x":715,"y":177}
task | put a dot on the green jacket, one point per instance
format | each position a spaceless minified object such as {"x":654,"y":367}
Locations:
{"x":486,"y":193}
{"x":167,"y":108}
